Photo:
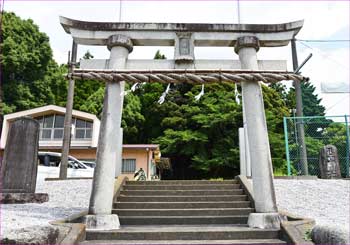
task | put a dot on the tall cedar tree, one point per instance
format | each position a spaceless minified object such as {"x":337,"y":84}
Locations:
{"x":26,"y":62}
{"x":311,"y":103}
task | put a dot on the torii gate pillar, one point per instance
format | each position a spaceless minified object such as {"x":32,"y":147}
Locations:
{"x":266,"y":215}
{"x":110,"y":138}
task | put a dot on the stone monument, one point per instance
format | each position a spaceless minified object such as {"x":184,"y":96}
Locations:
{"x":329,"y":162}
{"x":19,"y":166}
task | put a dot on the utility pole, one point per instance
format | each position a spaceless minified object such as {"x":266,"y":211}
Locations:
{"x":299,"y":112}
{"x":1,"y":72}
{"x":1,"y":103}
{"x":68,"y":115}
{"x":1,"y":95}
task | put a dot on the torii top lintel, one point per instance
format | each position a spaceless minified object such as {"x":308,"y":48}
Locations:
{"x":164,"y":34}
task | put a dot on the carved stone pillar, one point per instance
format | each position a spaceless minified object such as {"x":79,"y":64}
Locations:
{"x":110,"y":141}
{"x":266,"y":215}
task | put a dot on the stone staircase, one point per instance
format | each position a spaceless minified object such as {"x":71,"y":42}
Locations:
{"x":183,"y":212}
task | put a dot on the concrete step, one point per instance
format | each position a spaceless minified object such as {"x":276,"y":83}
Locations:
{"x":183,"y":212}
{"x":180,"y":205}
{"x":174,"y":242}
{"x":184,"y":187}
{"x":179,"y":192}
{"x":183,"y":232}
{"x":182,"y":220}
{"x":221,"y":198}
{"x":182,"y":182}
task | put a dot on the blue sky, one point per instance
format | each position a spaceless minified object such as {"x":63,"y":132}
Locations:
{"x":323,"y":20}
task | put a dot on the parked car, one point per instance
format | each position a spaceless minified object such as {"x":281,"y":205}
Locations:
{"x":89,"y":164}
{"x":49,"y":166}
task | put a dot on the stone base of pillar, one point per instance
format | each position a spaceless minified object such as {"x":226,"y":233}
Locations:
{"x":100,"y":222}
{"x":265,"y":220}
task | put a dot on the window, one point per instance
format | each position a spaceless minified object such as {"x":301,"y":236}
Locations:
{"x":128,"y":166}
{"x":83,"y":129}
{"x":80,"y":133}
{"x":48,"y":122}
{"x":46,"y":133}
{"x":58,"y":134}
{"x":59,"y":121}
{"x":51,"y":128}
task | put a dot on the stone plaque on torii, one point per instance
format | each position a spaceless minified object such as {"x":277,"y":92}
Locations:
{"x":120,"y":38}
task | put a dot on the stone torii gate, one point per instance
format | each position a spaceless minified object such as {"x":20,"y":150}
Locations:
{"x":120,"y":39}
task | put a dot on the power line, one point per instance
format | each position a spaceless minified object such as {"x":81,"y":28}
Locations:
{"x":323,"y":40}
{"x":323,"y":55}
{"x":336,"y":103}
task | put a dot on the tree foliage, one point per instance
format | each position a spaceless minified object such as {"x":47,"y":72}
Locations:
{"x":311,"y":103}
{"x":202,"y":135}
{"x":27,"y":65}
{"x":275,"y":110}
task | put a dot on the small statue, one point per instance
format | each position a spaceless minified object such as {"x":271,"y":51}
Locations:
{"x":140,"y":175}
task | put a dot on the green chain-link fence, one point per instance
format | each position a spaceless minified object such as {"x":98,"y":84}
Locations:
{"x":318,"y":132}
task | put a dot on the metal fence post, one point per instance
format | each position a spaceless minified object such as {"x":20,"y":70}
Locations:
{"x":347,"y":145}
{"x":286,"y":144}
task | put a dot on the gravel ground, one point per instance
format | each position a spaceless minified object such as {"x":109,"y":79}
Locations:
{"x":327,"y":201}
{"x":64,"y":200}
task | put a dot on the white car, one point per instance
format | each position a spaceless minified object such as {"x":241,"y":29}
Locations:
{"x":89,"y":164}
{"x":49,"y":166}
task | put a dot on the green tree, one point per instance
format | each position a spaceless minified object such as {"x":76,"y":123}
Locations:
{"x":89,"y":98}
{"x":88,"y":55}
{"x":281,"y":89}
{"x":159,"y":56}
{"x":275,"y":110}
{"x":85,"y":89}
{"x":313,"y":147}
{"x":311,"y":107}
{"x":153,"y":112}
{"x":26,"y":60}
{"x":311,"y":103}
{"x":199,"y":136}
{"x":132,"y":118}
{"x":94,"y":102}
